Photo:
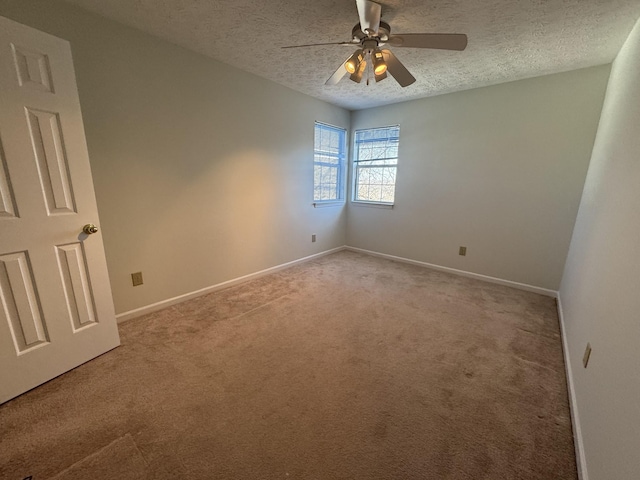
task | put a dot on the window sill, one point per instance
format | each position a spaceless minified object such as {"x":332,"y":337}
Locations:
{"x":372,"y":205}
{"x":331,"y":203}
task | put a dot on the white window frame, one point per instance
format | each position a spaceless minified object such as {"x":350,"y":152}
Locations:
{"x":340,"y":166}
{"x":356,"y":167}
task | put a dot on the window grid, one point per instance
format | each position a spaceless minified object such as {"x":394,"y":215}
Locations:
{"x":375,"y":164}
{"x":328,"y":162}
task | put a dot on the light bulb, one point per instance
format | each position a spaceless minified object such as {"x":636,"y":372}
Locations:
{"x":379,"y":65}
{"x":354,"y":61}
{"x":380,"y":69}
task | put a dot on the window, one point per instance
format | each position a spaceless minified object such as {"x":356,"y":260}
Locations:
{"x":328,"y":163}
{"x":375,"y":161}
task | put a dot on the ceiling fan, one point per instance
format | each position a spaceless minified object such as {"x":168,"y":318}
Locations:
{"x":371,"y":34}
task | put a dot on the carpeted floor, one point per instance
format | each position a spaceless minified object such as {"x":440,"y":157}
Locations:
{"x":346,"y":367}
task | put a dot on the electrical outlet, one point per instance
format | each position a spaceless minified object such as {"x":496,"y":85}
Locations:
{"x":587,"y":354}
{"x":462,"y":251}
{"x":313,"y":237}
{"x":136,"y":279}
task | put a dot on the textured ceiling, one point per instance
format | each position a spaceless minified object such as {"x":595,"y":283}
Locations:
{"x":508,"y":39}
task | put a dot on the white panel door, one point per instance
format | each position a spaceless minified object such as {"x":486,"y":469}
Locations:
{"x":56,"y":309}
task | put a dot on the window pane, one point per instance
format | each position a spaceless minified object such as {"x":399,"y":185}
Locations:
{"x":375,"y":163}
{"x":323,"y":158}
{"x":328,"y":192}
{"x":329,"y":157}
{"x":363,"y":176}
{"x":333,"y":176}
{"x":388,"y":193}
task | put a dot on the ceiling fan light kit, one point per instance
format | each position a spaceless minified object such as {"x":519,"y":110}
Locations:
{"x":357,"y":76}
{"x":353,"y":64}
{"x":379,"y":65}
{"x":371,"y":34}
{"x":381,"y":76}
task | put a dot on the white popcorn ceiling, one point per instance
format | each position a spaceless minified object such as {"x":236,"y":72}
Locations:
{"x":508,"y":39}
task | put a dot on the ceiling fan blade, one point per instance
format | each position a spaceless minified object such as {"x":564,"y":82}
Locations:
{"x":443,"y":41}
{"x":318,"y":44}
{"x":397,"y":69}
{"x":338,"y":74}
{"x":369,"y":13}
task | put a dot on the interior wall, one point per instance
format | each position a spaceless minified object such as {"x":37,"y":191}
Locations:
{"x":601,"y":281}
{"x":203,"y":173}
{"x":499,"y":170}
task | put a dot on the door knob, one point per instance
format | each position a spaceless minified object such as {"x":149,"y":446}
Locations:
{"x":89,"y":228}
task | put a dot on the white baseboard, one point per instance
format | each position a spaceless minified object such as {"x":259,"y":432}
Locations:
{"x":575,"y":418}
{"x":123,"y":317}
{"x":463,"y":273}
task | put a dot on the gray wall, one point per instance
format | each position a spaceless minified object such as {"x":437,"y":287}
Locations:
{"x":499,"y":170}
{"x":203,"y":173}
{"x":600,"y":289}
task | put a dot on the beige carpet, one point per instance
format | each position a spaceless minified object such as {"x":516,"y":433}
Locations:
{"x":347,"y":367}
{"x":119,"y":460}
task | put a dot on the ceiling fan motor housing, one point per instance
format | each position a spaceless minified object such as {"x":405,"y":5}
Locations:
{"x":384,"y":31}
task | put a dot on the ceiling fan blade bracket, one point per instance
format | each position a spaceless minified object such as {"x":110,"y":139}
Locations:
{"x":369,"y":13}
